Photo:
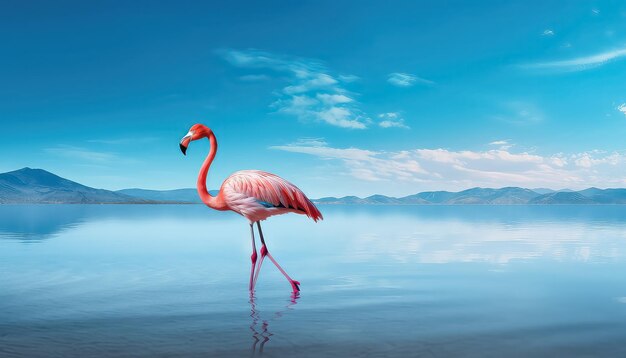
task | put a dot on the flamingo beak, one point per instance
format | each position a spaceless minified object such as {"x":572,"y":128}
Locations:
{"x":184,"y":143}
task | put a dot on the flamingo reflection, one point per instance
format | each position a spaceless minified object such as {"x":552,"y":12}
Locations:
{"x":259,"y":326}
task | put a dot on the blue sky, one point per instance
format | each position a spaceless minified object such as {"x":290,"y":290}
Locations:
{"x":338,"y":97}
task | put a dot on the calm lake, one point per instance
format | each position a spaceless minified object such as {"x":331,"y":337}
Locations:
{"x":398,"y":281}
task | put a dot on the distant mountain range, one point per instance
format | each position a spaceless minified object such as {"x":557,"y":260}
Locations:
{"x":487,"y":196}
{"x":177,"y":195}
{"x":39,"y":186}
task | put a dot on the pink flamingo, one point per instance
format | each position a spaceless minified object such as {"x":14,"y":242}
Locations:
{"x":254,"y":194}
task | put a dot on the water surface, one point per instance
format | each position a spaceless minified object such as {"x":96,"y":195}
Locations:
{"x":432,"y":281}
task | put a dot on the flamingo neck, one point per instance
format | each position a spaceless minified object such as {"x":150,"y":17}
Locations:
{"x":207,"y":198}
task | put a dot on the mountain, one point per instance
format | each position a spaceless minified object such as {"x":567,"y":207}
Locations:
{"x":508,"y":195}
{"x":39,"y":186}
{"x":548,"y":191}
{"x":561,"y":198}
{"x":605,"y":196}
{"x":543,"y":190}
{"x":489,"y":196}
{"x":176,"y":195}
{"x":344,"y":200}
{"x":434,"y":197}
{"x":473,"y":196}
{"x":189,"y":195}
{"x":382,"y":199}
{"x":415,"y":199}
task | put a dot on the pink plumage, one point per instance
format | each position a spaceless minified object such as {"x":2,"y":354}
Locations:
{"x":254,"y":194}
{"x":258,"y":195}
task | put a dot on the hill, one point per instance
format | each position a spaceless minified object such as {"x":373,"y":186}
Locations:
{"x":176,"y":195}
{"x":38,"y":186}
{"x":489,"y":196}
{"x":28,"y":185}
{"x":561,"y":198}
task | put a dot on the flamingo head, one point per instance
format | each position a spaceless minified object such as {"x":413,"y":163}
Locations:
{"x":197,"y":131}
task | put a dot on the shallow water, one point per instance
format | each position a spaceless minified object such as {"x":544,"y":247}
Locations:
{"x":432,"y":281}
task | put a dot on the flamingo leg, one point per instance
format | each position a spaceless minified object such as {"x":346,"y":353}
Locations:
{"x":253,"y":258}
{"x":258,"y":267}
{"x":295,"y":285}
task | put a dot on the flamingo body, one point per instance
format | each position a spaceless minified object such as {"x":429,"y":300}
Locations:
{"x":257,"y":195}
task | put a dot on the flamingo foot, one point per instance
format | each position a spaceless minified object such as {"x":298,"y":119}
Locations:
{"x":295,"y":285}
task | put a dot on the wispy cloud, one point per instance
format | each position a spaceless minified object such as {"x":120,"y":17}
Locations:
{"x":406,"y":79}
{"x":123,"y":140}
{"x":461,"y":169}
{"x":622,"y":108}
{"x":520,"y":112}
{"x":349,"y":78}
{"x":311,"y":142}
{"x":578,"y":63}
{"x":360,"y":163}
{"x":502,"y":144}
{"x":313,"y":92}
{"x":254,"y":78}
{"x":548,"y":32}
{"x":391,"y":120}
{"x":82,"y":154}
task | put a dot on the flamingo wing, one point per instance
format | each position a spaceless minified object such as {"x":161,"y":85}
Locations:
{"x":267,"y":191}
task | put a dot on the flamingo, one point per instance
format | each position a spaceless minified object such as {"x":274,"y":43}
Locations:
{"x":256,"y":195}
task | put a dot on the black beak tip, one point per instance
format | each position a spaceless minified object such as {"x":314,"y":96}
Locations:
{"x":183,"y":149}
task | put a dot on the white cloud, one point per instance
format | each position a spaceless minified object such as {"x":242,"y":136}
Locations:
{"x":333,"y":98}
{"x":312,"y":92}
{"x":312,"y":82}
{"x":502,"y":144}
{"x":622,"y":108}
{"x":311,"y":142}
{"x":391,"y":120}
{"x":578,"y":63}
{"x":362,"y":164}
{"x":595,"y":158}
{"x":443,"y":168}
{"x":401,"y":79}
{"x":389,"y":115}
{"x":406,"y":79}
{"x":392,"y":124}
{"x":341,"y":117}
{"x":548,"y":32}
{"x":348,"y":78}
{"x":326,"y":152}
{"x":595,"y":11}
